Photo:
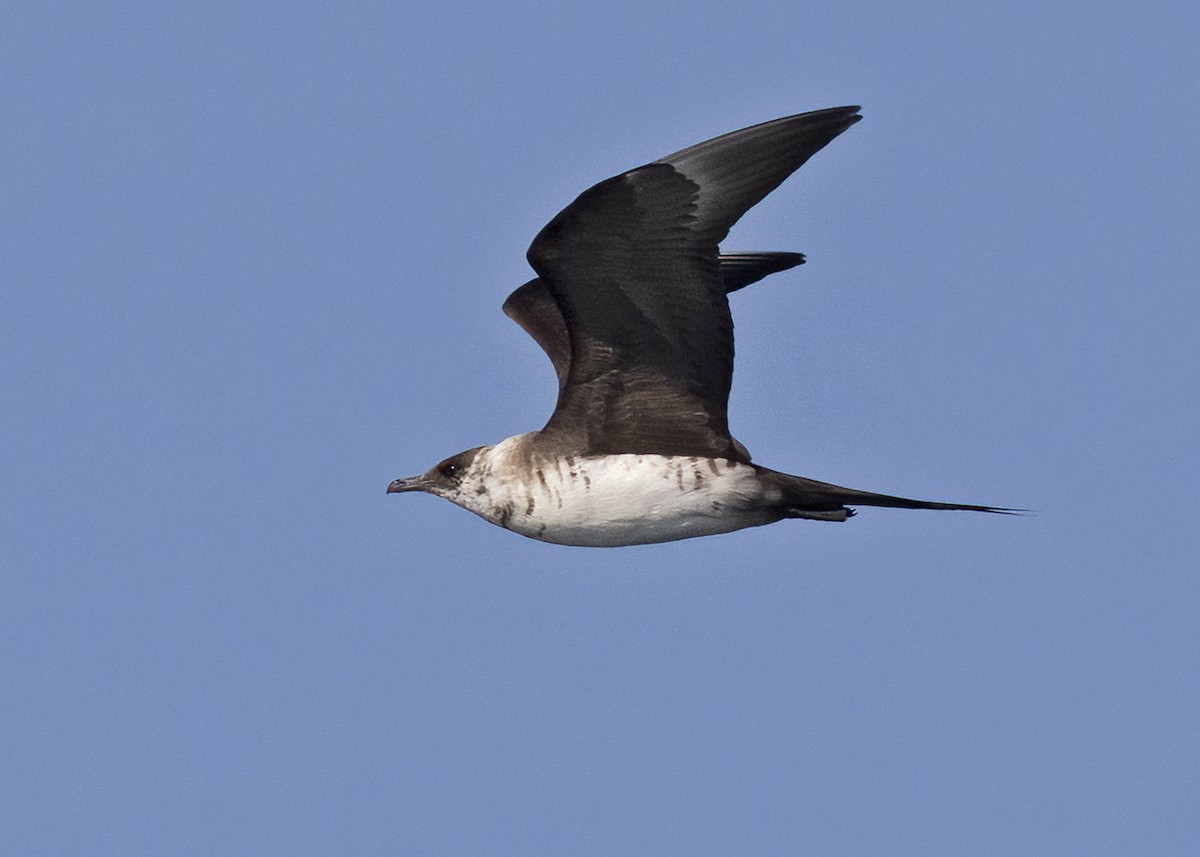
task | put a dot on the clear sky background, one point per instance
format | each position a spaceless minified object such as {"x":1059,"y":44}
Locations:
{"x":252,"y":260}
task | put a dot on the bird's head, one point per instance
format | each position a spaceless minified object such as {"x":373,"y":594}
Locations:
{"x":444,"y":479}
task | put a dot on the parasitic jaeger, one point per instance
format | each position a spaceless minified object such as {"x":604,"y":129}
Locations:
{"x":630,"y":305}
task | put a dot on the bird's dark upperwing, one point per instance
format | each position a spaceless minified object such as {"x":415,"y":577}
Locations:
{"x":533,"y":307}
{"x":633,"y":266}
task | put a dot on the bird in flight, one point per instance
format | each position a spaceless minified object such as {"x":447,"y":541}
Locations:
{"x":630,"y":305}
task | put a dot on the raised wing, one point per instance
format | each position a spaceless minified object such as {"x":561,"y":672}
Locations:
{"x":632,"y":265}
{"x":533,"y":307}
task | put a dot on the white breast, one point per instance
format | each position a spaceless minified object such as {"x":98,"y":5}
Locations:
{"x":605,"y":501}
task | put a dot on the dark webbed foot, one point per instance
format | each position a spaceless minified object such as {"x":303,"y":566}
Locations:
{"x":827,"y":515}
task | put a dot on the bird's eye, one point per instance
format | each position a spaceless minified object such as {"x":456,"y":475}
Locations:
{"x":449,"y":470}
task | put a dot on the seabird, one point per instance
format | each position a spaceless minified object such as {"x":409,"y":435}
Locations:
{"x":630,"y":305}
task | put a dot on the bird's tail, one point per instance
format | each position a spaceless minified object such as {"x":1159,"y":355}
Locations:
{"x":808,"y":498}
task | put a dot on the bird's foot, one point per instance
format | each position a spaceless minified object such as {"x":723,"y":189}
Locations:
{"x":824,"y":515}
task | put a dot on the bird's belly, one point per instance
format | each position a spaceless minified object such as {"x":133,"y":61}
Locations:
{"x":634,"y":499}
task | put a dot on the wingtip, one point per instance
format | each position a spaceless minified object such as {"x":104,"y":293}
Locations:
{"x":839,"y":118}
{"x":846,"y":116}
{"x":850,"y":113}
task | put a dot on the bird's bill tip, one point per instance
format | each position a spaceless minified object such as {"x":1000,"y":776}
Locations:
{"x":407,"y":483}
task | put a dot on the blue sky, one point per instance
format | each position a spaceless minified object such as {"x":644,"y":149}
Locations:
{"x":253,"y":258}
